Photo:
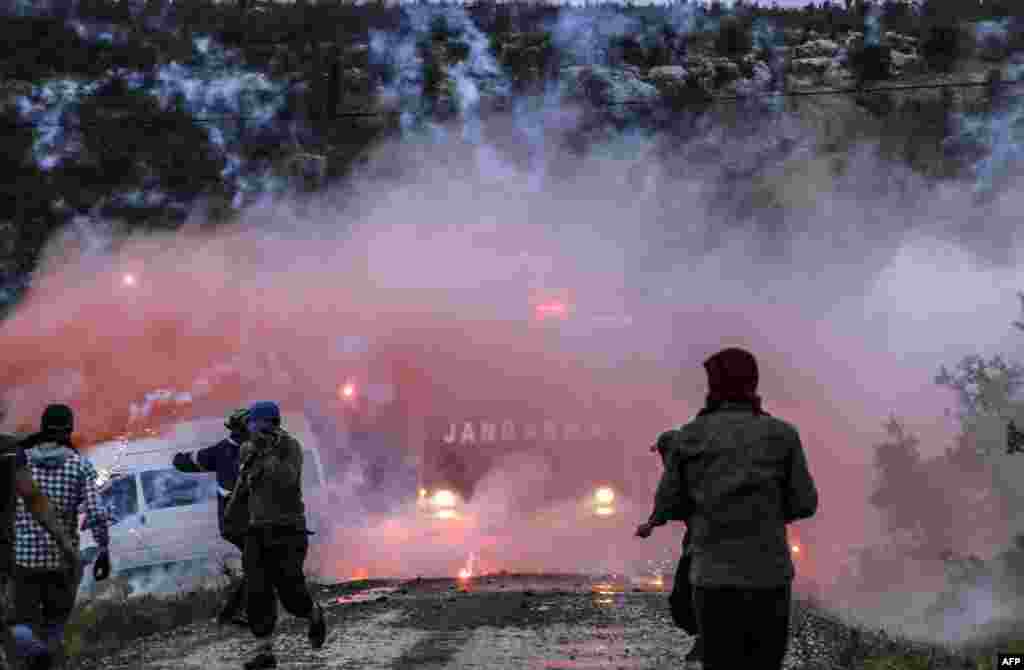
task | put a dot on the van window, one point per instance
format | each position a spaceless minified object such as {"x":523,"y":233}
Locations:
{"x":170,"y":488}
{"x":120,"y":498}
{"x":310,"y":474}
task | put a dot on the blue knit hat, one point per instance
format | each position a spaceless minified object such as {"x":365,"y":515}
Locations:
{"x":265,"y":410}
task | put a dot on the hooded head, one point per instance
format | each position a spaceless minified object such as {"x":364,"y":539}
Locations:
{"x":57,"y":424}
{"x":732,"y":377}
{"x":51,"y":446}
{"x":58,"y":418}
{"x":236,"y":425}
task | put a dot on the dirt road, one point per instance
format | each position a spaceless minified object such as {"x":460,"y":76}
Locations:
{"x":487,"y":624}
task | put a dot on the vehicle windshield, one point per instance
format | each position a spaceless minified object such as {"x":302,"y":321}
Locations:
{"x":120,"y":498}
{"x":170,"y":488}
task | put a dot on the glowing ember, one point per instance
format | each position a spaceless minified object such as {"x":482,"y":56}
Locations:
{"x":467,"y":572}
{"x":605,"y":511}
{"x":604,"y":496}
{"x":551,"y":309}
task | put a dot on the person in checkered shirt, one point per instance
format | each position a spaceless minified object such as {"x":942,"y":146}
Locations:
{"x":18,"y":483}
{"x":44,"y":594}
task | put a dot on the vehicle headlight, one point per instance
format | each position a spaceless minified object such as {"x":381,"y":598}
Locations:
{"x":443,"y":498}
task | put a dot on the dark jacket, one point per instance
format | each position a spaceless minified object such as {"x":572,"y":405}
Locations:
{"x":12,"y":459}
{"x":221,"y":458}
{"x":738,"y":478}
{"x":270,"y":481}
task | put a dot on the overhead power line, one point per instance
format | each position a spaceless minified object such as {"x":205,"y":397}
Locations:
{"x":697,"y":101}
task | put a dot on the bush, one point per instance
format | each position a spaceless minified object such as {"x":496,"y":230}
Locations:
{"x":645,"y":55}
{"x":99,"y":627}
{"x":871,"y":62}
{"x":942,"y":46}
{"x":734,"y":39}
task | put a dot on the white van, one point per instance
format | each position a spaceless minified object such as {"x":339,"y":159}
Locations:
{"x":160,"y":516}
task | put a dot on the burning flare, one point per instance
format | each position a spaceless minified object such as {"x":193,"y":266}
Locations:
{"x":467,"y":572}
{"x":604,"y":496}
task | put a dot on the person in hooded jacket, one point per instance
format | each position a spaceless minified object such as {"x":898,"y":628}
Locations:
{"x":44,"y":594}
{"x":741,"y":475}
{"x":269,"y":497}
{"x":223,"y":458}
{"x":18,"y":484}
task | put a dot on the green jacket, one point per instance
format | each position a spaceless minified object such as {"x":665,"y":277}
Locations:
{"x":270,"y":481}
{"x":737,"y":479}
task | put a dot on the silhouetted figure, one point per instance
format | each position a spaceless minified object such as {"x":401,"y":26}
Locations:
{"x":738,"y":476}
{"x":1014,"y":439}
{"x":223,"y":459}
{"x":269,"y":498}
{"x":45,"y":589}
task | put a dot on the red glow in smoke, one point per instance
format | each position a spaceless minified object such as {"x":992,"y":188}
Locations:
{"x":217,"y":318}
{"x":556,"y":310}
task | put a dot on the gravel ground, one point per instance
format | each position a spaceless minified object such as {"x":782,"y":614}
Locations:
{"x":487,"y":624}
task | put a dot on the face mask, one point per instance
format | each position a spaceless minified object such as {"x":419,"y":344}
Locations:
{"x":257,"y":426}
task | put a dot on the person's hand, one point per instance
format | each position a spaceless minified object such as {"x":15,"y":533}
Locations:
{"x":101,"y":568}
{"x":644,"y":530}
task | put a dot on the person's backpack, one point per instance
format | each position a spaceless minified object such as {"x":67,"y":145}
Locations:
{"x":235,"y":524}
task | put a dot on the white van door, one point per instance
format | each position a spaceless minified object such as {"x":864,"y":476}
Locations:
{"x":128,"y":545}
{"x":181,"y":513}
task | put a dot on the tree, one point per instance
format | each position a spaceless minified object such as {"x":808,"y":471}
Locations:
{"x":983,"y":387}
{"x":871,"y":62}
{"x":985,"y":390}
{"x":734,"y":38}
{"x":910,"y":500}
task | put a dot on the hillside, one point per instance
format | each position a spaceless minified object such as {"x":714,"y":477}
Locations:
{"x":148,"y":115}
